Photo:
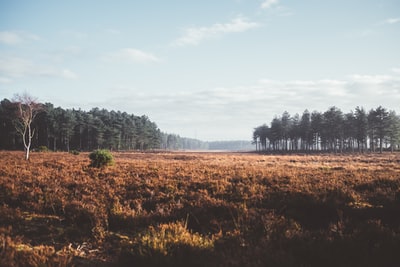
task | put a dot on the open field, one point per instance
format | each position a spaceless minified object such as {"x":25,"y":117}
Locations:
{"x":197,"y":209}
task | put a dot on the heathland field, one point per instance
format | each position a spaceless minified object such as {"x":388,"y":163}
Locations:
{"x":200,"y":209}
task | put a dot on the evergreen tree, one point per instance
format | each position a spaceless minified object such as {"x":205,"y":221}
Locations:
{"x":332,"y":131}
{"x":361,"y":128}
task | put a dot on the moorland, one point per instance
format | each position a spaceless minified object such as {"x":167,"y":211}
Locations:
{"x":200,"y":209}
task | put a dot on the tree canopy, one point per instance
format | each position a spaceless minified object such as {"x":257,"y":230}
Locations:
{"x":71,"y":129}
{"x":61,"y":129}
{"x":332,"y":130}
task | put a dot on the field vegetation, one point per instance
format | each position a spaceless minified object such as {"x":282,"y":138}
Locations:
{"x":200,"y":209}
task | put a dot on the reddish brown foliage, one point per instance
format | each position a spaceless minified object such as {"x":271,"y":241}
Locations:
{"x":181,"y":209}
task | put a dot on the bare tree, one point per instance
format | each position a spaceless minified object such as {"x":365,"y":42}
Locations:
{"x":27,"y":107}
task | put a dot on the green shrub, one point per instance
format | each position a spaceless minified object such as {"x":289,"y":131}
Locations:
{"x":101,"y":158}
{"x":74,"y":152}
{"x":43,"y":149}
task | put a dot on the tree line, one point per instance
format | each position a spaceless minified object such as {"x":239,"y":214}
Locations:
{"x":332,"y":130}
{"x":26,"y":123}
{"x":74,"y":129}
{"x":176,"y":142}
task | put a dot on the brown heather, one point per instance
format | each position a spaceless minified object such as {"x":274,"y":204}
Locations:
{"x":200,"y":209}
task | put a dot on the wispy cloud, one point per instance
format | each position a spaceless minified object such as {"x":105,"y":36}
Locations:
{"x":396,"y":70}
{"x":269,"y":3}
{"x":135,"y":55}
{"x":12,"y":68}
{"x":75,"y":35}
{"x":224,"y":108}
{"x":69,"y":74}
{"x":61,"y":54}
{"x":14,"y":38}
{"x":5,"y":80}
{"x":391,"y":21}
{"x":374,"y":28}
{"x":195,"y":35}
{"x":371,"y":79}
{"x":112,"y":31}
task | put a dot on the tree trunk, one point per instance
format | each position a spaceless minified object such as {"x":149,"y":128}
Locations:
{"x":27,"y":154}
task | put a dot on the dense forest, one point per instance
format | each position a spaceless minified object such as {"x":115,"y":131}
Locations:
{"x":176,"y":142}
{"x":70,"y":129}
{"x":332,"y":130}
{"x":61,"y":129}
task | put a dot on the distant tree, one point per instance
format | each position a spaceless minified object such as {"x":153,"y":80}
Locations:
{"x":285,"y":126}
{"x":378,"y":121}
{"x":261,"y":133}
{"x":172,"y":142}
{"x":42,"y":130}
{"x":27,"y":108}
{"x":361,"y":128}
{"x":317,"y":121}
{"x":68,"y":122}
{"x":78,"y":129}
{"x":332,"y":131}
{"x":333,"y":128}
{"x":70,"y":129}
{"x":383,"y":123}
{"x":372,"y":129}
{"x":393,"y":132}
{"x":54,"y":124}
{"x":349,"y":131}
{"x":305,"y":130}
{"x":294,"y":132}
{"x":276,"y":134}
{"x":8,"y":134}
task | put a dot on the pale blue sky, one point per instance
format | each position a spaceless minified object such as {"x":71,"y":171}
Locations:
{"x":207,"y":69}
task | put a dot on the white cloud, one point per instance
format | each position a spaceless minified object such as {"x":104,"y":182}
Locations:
{"x":371,"y":79}
{"x":392,"y":20}
{"x":112,"y":31}
{"x":14,"y":38}
{"x":10,"y":38}
{"x":269,"y":3}
{"x":73,"y":34}
{"x":232,"y":112}
{"x":69,"y":74}
{"x":72,"y":50}
{"x":63,"y":54}
{"x":5,"y":80}
{"x":193,"y":36}
{"x":136,"y":55}
{"x":14,"y":67}
{"x":396,"y":70}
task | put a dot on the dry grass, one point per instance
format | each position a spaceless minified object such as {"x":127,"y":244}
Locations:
{"x":214,"y":209}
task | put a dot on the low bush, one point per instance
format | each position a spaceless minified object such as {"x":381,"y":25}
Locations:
{"x":169,"y":244}
{"x":74,"y":152}
{"x":43,"y":149}
{"x":101,"y":158}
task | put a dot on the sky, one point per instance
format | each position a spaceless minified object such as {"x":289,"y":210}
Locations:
{"x":211,"y":70}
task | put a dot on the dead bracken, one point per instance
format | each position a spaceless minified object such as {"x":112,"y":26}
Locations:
{"x":201,"y":209}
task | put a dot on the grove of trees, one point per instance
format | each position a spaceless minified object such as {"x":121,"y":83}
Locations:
{"x":70,"y":129}
{"x":332,"y":130}
{"x":176,"y":142}
{"x":61,"y":129}
{"x":58,"y":129}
